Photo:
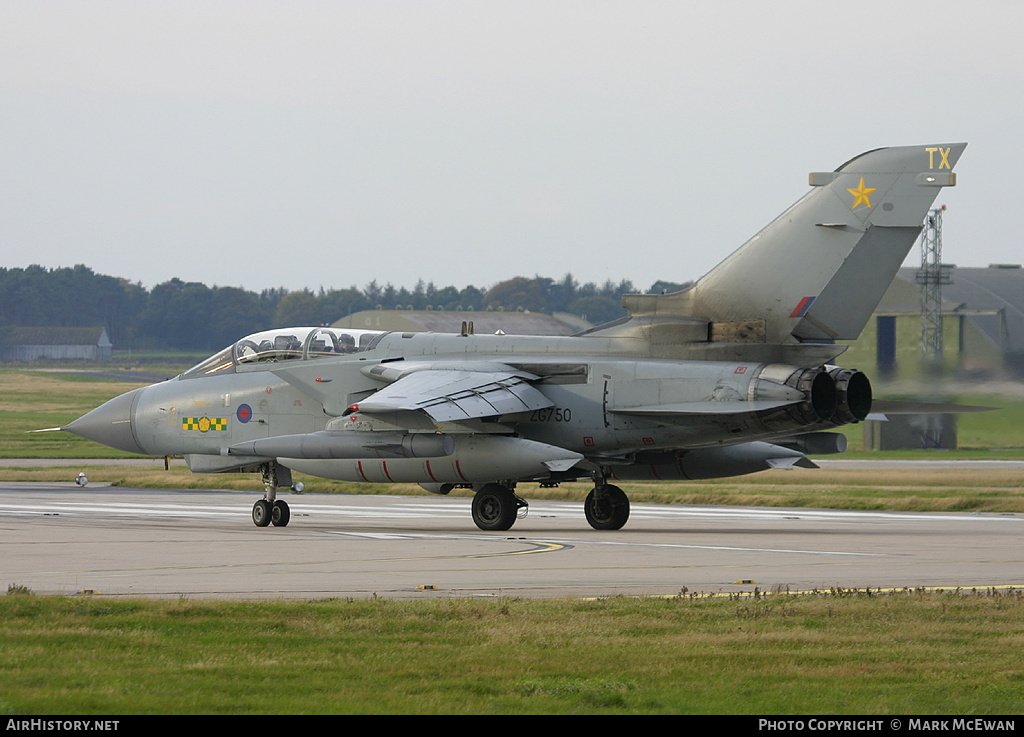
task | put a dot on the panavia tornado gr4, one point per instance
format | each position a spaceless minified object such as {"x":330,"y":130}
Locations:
{"x":733,"y":375}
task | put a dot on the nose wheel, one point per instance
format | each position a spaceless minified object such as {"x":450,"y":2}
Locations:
{"x":270,"y":510}
{"x":265,"y":513}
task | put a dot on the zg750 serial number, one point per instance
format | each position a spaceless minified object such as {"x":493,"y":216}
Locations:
{"x":551,"y":414}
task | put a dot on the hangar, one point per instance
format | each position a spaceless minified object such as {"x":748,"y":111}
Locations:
{"x":54,"y":343}
{"x":450,"y":321}
{"x":982,"y":326}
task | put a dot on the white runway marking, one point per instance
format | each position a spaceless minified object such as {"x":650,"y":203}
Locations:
{"x":61,"y":538}
{"x":460,"y":510}
{"x":572,"y":542}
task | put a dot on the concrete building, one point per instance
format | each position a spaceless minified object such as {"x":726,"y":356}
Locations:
{"x":982,"y":332}
{"x":982,"y":327}
{"x":61,"y":344}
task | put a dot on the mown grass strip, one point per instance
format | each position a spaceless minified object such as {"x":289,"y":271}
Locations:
{"x":908,"y":490}
{"x":833,"y":652}
{"x":31,"y":400}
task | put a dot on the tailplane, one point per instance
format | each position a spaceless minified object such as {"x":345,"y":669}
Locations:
{"x":819,"y":270}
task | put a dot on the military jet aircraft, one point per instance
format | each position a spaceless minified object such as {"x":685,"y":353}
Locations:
{"x":733,"y":375}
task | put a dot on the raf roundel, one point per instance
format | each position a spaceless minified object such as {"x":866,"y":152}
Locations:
{"x":244,"y":413}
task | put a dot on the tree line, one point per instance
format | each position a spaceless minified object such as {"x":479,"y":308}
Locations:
{"x":191,"y":315}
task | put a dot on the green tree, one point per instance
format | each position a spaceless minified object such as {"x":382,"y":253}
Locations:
{"x":597,"y":309}
{"x":236,"y":313}
{"x":471,"y":298}
{"x":338,"y":303}
{"x":515,"y":293}
{"x":298,"y":308}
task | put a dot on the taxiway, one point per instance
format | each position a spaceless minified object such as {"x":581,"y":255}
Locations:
{"x":64,"y":539}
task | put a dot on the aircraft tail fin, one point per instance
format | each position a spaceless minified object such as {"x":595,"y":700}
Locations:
{"x":818,"y":271}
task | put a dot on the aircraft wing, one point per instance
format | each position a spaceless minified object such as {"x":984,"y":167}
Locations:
{"x":705,"y":408}
{"x":448,"y":395}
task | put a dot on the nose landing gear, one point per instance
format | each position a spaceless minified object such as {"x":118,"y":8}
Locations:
{"x":265,"y":513}
{"x":270,"y":510}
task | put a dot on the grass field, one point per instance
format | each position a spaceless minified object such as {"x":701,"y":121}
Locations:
{"x":835,"y":652}
{"x":34,"y":397}
{"x":35,"y":400}
{"x":31,"y":400}
{"x":983,"y":490}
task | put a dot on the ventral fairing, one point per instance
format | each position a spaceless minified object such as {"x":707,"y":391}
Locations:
{"x":734,"y":375}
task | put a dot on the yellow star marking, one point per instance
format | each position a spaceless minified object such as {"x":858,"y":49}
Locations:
{"x":861,"y":193}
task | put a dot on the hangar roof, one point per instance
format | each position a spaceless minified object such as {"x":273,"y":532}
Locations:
{"x":998,"y":287}
{"x":484,"y":322}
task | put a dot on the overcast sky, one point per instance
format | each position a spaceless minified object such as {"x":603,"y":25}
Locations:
{"x":328,"y":144}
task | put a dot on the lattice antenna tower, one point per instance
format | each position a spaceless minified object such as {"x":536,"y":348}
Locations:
{"x":931,"y":277}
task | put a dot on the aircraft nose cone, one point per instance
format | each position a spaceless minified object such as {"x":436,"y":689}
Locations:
{"x":110,"y":424}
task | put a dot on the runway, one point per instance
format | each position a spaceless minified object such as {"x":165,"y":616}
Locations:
{"x":63,"y":539}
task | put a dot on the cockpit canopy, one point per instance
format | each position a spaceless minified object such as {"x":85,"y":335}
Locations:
{"x":286,"y":344}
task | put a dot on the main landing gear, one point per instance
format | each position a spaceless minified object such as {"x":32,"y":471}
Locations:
{"x":270,"y":510}
{"x":496,"y":507}
{"x":606,"y":507}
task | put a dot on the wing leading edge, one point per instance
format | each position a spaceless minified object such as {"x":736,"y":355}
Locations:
{"x":451,"y":395}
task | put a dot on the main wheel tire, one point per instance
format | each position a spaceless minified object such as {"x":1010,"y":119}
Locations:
{"x":261,"y":513}
{"x":280,"y":514}
{"x":608,"y":511}
{"x":494,"y":508}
